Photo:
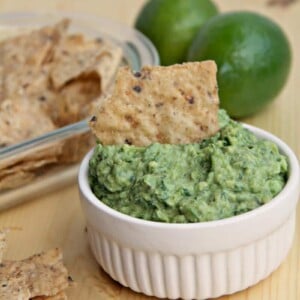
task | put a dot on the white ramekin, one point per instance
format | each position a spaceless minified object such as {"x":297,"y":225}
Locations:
{"x":198,"y":260}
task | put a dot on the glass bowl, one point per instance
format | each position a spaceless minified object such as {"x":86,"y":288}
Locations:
{"x":137,"y":51}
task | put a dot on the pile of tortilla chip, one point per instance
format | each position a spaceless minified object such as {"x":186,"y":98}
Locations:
{"x":169,"y":105}
{"x":50,"y":78}
{"x":41,"y":276}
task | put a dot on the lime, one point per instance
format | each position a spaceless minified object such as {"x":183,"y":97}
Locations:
{"x":253,"y":57}
{"x":172,"y":24}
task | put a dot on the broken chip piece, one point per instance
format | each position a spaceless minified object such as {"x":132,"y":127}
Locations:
{"x":41,"y":275}
{"x":171,"y":105}
{"x":20,"y":120}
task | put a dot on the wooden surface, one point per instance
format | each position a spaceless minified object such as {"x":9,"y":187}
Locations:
{"x":57,"y":220}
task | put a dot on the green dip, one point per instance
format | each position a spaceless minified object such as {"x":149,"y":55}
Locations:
{"x":226,"y":175}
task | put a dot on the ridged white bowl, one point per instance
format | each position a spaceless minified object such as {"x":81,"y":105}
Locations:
{"x":198,"y":260}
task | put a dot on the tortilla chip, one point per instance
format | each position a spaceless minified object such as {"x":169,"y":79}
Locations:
{"x":22,"y":60}
{"x":73,"y":49}
{"x":21,"y":169}
{"x":107,"y":66}
{"x":34,"y":85}
{"x":33,"y":48}
{"x":99,"y":100}
{"x":21,"y":119}
{"x":49,"y":102}
{"x":69,"y":68}
{"x":77,"y":56}
{"x":170,"y":105}
{"x":25,"y":82}
{"x":72,"y":44}
{"x":76,"y":97}
{"x":3,"y":243}
{"x":40,"y":275}
{"x":13,"y":180}
{"x":34,"y":155}
{"x":29,"y":165}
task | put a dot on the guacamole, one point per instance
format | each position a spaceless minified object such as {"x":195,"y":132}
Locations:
{"x":228,"y":174}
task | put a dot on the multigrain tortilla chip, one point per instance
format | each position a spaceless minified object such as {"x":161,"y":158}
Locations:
{"x":174,"y":105}
{"x":3,"y":243}
{"x":26,"y":67}
{"x":29,"y":165}
{"x":77,"y":56}
{"x":16,"y":179}
{"x":21,"y":119}
{"x":34,"y":86}
{"x":33,"y":48}
{"x":71,"y":67}
{"x":25,"y":81}
{"x":107,"y":66}
{"x":24,"y":58}
{"x":76,"y":97}
{"x":21,"y":169}
{"x":40,"y":153}
{"x":40,"y":275}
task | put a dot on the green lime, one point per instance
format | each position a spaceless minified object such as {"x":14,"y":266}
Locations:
{"x":253,"y":57}
{"x":172,"y":24}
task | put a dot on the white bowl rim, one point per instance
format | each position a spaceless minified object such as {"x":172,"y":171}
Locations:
{"x":293,"y":180}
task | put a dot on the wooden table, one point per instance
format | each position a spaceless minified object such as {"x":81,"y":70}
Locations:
{"x":56,"y":219}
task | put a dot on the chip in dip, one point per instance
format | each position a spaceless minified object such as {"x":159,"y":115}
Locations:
{"x":170,"y":105}
{"x":220,"y":175}
{"x":223,"y":176}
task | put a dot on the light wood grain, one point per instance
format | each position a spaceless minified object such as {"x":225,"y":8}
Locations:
{"x":56,"y":219}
